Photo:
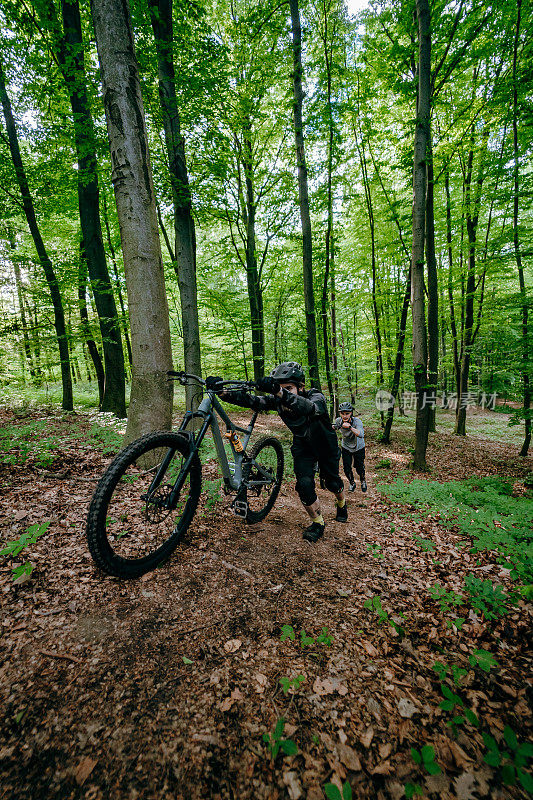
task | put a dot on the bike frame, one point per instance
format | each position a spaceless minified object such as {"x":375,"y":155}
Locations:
{"x":232,"y":472}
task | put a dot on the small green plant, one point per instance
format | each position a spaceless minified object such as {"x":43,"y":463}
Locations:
{"x":291,"y":683}
{"x":426,"y":544}
{"x":511,"y":762}
{"x":483,"y":659}
{"x":412,"y":789}
{"x":384,"y":463}
{"x":451,"y":700}
{"x":287,"y":632}
{"x":374,"y":604}
{"x":425,"y":757}
{"x":15,"y":547}
{"x":375,"y":550}
{"x":490,"y":600}
{"x":275,"y":743}
{"x":333,"y":792}
{"x":457,"y":673}
{"x":324,"y":637}
{"x":447,"y":600}
{"x":213,"y":493}
{"x":305,"y":640}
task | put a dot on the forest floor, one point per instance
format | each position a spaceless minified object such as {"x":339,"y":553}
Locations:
{"x":164,"y":687}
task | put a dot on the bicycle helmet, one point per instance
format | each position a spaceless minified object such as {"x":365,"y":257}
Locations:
{"x":288,"y":371}
{"x":346,"y":406}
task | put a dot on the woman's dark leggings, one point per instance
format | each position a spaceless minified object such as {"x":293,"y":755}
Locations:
{"x":358,"y":461}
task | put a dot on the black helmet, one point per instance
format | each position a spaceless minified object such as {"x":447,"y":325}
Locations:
{"x":288,"y":371}
{"x":346,"y":406}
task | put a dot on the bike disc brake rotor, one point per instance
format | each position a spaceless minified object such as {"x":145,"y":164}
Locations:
{"x":157,"y":508}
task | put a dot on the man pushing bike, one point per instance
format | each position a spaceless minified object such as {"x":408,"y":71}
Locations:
{"x":314,"y":440}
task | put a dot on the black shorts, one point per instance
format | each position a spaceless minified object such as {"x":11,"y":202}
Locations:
{"x":323,"y":449}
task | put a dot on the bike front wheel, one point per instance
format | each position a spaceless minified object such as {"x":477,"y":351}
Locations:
{"x":264,"y":477}
{"x":143,"y":504}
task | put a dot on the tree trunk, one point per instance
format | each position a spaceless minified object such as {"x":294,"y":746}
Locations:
{"x":421,"y":143}
{"x":453,"y":326}
{"x":307,"y":242}
{"x":347,"y":366}
{"x":151,"y":392}
{"x":22,"y":311}
{"x":325,"y":322}
{"x":70,"y":55}
{"x":518,"y":255}
{"x":51,"y":279}
{"x":469,"y":333}
{"x":433,"y":292}
{"x":255,"y":296}
{"x":117,"y":279}
{"x":385,"y":437}
{"x":184,"y":231}
{"x":86,"y":327}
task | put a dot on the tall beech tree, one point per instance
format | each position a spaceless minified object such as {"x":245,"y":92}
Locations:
{"x":421,"y":145}
{"x":184,"y":230}
{"x":44,"y":259}
{"x":303,"y":193}
{"x":151,"y":393}
{"x":68,"y":44}
{"x":526,"y":366}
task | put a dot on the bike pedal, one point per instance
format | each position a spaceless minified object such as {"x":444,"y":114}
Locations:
{"x":240,"y":508}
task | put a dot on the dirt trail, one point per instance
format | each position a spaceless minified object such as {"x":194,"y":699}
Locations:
{"x":98,"y":702}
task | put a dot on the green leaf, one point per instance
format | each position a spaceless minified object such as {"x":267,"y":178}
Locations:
{"x":447,"y":692}
{"x":483,"y":659}
{"x":492,"y":758}
{"x":471,"y":717}
{"x":526,"y":780}
{"x":447,"y":705}
{"x":186,"y":660}
{"x":490,"y":742}
{"x":428,"y":753}
{"x":332,"y":792}
{"x":433,"y":768}
{"x":287,"y":632}
{"x":278,"y":730}
{"x":289,"y":747}
{"x":266,"y":738}
{"x":417,"y":758}
{"x":526,"y":749}
{"x":346,"y":791}
{"x":508,"y":774}
{"x":510,"y":737}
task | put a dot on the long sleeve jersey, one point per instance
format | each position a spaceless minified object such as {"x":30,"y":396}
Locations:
{"x":302,"y":413}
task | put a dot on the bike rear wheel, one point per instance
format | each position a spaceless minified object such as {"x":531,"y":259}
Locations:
{"x":264,"y":477}
{"x":135,"y":521}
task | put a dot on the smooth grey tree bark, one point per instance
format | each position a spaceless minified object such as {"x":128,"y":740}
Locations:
{"x":422,"y":132}
{"x":151,"y":394}
{"x":518,"y":253}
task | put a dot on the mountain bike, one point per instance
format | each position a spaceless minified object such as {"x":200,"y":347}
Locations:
{"x":147,"y":498}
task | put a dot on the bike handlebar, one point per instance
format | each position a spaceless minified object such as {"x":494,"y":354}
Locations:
{"x":184,"y":377}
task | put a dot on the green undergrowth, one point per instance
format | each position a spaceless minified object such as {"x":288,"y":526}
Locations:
{"x":480,"y":508}
{"x":41,"y":442}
